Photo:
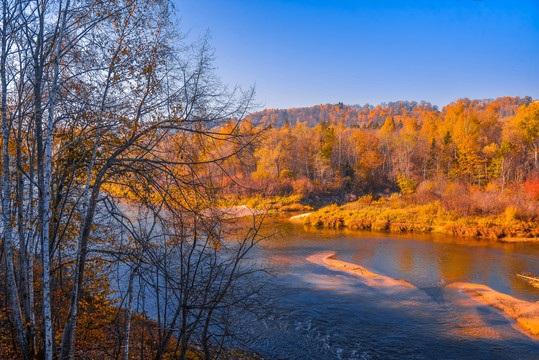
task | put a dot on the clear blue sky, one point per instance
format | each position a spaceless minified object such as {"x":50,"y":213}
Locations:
{"x":303,"y":53}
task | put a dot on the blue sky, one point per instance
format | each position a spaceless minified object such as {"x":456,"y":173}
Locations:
{"x":303,"y":53}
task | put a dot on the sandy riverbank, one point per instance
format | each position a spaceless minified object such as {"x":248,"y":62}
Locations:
{"x":299,"y":218}
{"x":233,"y":212}
{"x":367,"y":276}
{"x":525,"y":313}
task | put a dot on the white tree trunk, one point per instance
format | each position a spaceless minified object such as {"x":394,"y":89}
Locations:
{"x":7,"y":191}
{"x":128,"y":313}
{"x":47,"y":313}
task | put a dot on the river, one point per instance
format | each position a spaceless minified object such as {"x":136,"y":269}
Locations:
{"x":326,"y":314}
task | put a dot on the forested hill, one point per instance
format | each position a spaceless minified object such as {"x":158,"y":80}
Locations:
{"x":369,"y":116}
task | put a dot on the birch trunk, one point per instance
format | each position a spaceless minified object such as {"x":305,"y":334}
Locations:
{"x":128,"y":313}
{"x":47,"y":312}
{"x":25,"y":269}
{"x":6,"y":194}
{"x":68,"y":339}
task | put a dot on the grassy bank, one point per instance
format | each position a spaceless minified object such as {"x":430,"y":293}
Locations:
{"x":394,"y":214}
{"x":272,"y":204}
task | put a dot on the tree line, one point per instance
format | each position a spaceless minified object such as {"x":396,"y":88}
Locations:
{"x":486,"y":146}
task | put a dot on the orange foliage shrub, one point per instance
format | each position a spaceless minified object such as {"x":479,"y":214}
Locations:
{"x":488,"y":202}
{"x":303,"y":187}
{"x":427,"y":192}
{"x":457,"y":198}
{"x":531,"y":187}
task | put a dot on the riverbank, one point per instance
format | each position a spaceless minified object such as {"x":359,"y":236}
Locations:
{"x":370,"y":278}
{"x":525,"y":313}
{"x":397,"y":216}
{"x":232,"y":212}
{"x":267,"y":204}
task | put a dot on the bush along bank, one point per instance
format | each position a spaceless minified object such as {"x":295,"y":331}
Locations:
{"x":396,"y":215}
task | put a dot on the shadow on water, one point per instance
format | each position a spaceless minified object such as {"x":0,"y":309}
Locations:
{"x":326,"y":314}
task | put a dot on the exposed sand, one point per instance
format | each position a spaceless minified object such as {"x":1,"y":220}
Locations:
{"x":518,"y":239}
{"x":297,"y":218}
{"x":233,"y":212}
{"x":372,"y":279}
{"x":525,"y":313}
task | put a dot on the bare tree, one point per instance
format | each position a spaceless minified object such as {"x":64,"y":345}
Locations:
{"x":91,"y":91}
{"x":196,"y":278}
{"x":9,"y":25}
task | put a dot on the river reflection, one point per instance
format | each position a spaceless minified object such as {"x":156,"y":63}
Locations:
{"x":325,"y":314}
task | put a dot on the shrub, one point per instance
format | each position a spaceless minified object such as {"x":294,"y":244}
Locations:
{"x":489,"y":202}
{"x":365,"y":199}
{"x":426,"y":192}
{"x":287,"y":174}
{"x":456,"y":198}
{"x":407,"y":185}
{"x":511,"y":214}
{"x":303,"y":186}
{"x":259,"y":174}
{"x":531,"y":187}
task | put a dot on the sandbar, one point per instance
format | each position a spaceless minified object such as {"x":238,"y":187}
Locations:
{"x":298,"y":218}
{"x":232,"y":212}
{"x":525,"y":313}
{"x":367,"y":276}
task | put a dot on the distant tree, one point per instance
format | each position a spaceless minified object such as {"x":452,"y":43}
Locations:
{"x":527,"y":124}
{"x":327,"y":143}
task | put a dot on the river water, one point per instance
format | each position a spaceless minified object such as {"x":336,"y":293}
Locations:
{"x":327,"y":314}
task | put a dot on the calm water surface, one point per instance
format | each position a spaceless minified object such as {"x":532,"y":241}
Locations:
{"x":326,"y":314}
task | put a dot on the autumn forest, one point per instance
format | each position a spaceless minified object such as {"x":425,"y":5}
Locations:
{"x":485,"y":150}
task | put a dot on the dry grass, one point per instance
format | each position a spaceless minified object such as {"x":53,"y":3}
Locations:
{"x":273,"y":204}
{"x":395,"y":214}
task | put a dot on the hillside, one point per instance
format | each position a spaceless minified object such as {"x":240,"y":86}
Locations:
{"x":369,"y":116}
